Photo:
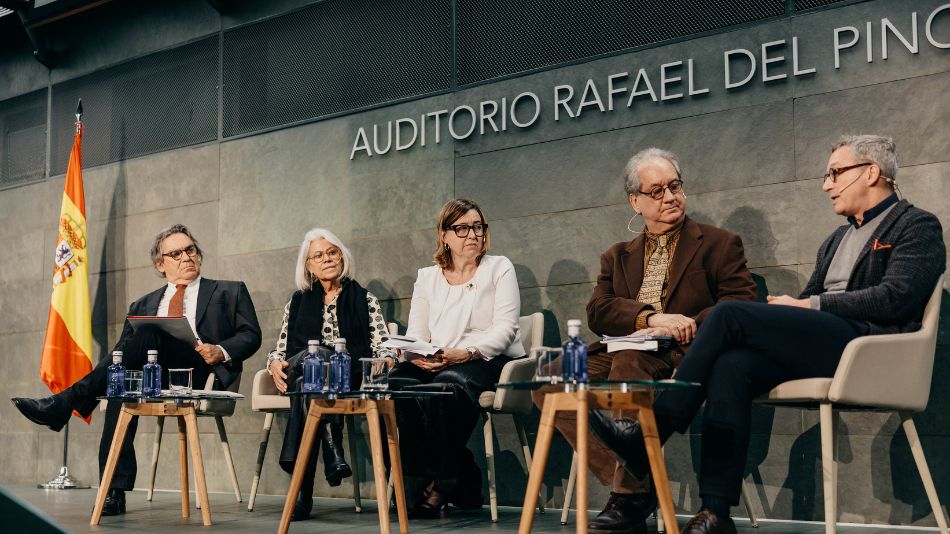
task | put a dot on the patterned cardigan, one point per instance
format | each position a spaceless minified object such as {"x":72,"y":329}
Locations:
{"x":894,"y":275}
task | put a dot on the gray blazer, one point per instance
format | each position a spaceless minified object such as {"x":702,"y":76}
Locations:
{"x":894,"y":275}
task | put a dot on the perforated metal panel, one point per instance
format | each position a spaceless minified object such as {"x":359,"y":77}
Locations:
{"x":333,"y":57}
{"x":158,"y":102}
{"x":502,"y":37}
{"x":23,"y":139}
{"x":801,"y":5}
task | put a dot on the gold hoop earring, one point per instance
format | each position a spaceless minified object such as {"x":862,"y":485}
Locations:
{"x":630,"y":222}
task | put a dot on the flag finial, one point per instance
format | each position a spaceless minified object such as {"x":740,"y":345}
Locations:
{"x":79,"y":116}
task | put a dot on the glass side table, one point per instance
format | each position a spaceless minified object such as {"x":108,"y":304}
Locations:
{"x":562,"y":396}
{"x":181,"y":407}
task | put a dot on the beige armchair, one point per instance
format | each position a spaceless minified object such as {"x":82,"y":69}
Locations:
{"x":876,"y":373}
{"x":516,"y":403}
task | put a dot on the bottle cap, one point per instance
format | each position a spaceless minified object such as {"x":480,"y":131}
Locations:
{"x":313,"y":343}
{"x":340,"y":344}
{"x":573,"y":327}
{"x":152,"y":355}
{"x":117,"y":356}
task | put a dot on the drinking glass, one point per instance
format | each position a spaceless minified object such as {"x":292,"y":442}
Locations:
{"x":133,"y":383}
{"x":375,"y":374}
{"x":179,"y":381}
{"x":549,"y":366}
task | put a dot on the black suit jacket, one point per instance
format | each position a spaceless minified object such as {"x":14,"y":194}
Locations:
{"x":225,"y":316}
{"x":892,"y":280}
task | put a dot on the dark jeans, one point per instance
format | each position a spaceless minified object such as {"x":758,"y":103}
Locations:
{"x":433,"y":432}
{"x":741,"y":351}
{"x":81,"y":396}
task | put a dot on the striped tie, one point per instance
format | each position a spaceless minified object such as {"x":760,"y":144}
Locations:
{"x":651,"y":290}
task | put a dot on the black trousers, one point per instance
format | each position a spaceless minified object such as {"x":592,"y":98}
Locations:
{"x":81,"y":396}
{"x":741,"y":351}
{"x":434,"y":432}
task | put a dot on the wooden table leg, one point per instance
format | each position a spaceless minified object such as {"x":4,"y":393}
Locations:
{"x":121,"y":427}
{"x":536,"y":476}
{"x":303,"y":456}
{"x":183,"y":463}
{"x":661,"y":481}
{"x":191,"y":425}
{"x":582,"y":438}
{"x":379,"y":470}
{"x":395,"y":464}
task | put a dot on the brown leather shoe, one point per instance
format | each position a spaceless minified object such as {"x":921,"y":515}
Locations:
{"x":624,"y":513}
{"x":706,"y":522}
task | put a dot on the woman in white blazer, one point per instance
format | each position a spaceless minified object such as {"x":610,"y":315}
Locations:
{"x":468,"y":305}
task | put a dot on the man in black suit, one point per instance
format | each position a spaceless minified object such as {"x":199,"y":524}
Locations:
{"x":220,"y":312}
{"x":873,"y":275}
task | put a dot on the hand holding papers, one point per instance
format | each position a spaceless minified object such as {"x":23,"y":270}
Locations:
{"x":635,"y":341}
{"x":409,"y":344}
{"x":176,"y":326}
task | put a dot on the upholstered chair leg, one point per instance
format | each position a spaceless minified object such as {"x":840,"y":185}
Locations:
{"x":748,"y":506}
{"x":226,"y":448}
{"x":828,"y":465}
{"x":918,"y":451}
{"x":261,"y":453}
{"x":490,"y":460}
{"x":569,"y":490}
{"x":352,"y":436}
{"x":156,"y":448}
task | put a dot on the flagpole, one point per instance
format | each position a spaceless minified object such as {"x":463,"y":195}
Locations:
{"x":63,"y":481}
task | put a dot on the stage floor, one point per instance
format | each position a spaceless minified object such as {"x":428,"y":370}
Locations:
{"x":71,"y":510}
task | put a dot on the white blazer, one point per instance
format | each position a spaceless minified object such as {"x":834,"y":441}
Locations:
{"x":481,"y":313}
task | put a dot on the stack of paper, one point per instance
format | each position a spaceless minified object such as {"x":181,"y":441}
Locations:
{"x":409,"y":344}
{"x":637,"y":342}
{"x":208,"y":393}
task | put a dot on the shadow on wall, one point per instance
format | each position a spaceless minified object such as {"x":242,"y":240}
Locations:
{"x":111,"y":289}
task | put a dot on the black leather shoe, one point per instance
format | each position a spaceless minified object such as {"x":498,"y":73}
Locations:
{"x":51,"y":411}
{"x":706,"y":522}
{"x":625,"y":439}
{"x":335,"y":467}
{"x":115,"y":502}
{"x":624,"y":513}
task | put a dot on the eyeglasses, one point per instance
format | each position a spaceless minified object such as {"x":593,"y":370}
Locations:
{"x":657,"y":192}
{"x":461,"y":230}
{"x":190,"y":250}
{"x":332,"y":253}
{"x":833,"y":174}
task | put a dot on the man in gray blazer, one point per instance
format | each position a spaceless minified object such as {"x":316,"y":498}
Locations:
{"x":873,"y":275}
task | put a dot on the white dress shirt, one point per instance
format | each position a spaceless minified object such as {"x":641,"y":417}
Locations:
{"x":190,"y":305}
{"x":481,"y":313}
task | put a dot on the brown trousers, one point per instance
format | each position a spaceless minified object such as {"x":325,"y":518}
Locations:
{"x":622,"y":365}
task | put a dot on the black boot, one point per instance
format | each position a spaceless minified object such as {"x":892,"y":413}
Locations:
{"x":305,"y":498}
{"x":334,"y":464}
{"x":49,"y":411}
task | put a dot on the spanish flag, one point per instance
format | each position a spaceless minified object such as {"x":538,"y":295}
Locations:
{"x":67,"y":351}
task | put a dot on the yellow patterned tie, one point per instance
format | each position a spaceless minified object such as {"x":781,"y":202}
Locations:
{"x":651,"y":290}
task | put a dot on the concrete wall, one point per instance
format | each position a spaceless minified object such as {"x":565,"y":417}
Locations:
{"x":554,"y":197}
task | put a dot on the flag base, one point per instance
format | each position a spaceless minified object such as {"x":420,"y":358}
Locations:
{"x":63,"y":481}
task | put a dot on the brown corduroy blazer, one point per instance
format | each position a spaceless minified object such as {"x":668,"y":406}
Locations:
{"x":709,"y":266}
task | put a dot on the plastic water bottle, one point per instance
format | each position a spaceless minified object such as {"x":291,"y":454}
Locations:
{"x":344,"y":362}
{"x":152,"y":376}
{"x":574,"y":359}
{"x":336,"y":378}
{"x":313,"y":369}
{"x":116,"y":385}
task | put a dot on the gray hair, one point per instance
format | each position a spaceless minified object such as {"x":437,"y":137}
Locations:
{"x":302,"y":277}
{"x":156,"y":251}
{"x":631,"y":180}
{"x":877,"y":149}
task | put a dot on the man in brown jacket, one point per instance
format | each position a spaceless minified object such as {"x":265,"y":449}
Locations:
{"x":664,"y":282}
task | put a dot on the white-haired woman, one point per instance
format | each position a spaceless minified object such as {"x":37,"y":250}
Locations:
{"x":328,"y":304}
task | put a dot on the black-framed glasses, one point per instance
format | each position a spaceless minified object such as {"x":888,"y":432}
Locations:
{"x":833,"y":174}
{"x":461,"y":230}
{"x":332,"y":253}
{"x":190,"y":250}
{"x":656,"y":192}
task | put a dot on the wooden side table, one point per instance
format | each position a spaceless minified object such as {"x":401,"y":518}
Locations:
{"x":372,"y":406}
{"x":580,"y":401}
{"x":182,"y":409}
